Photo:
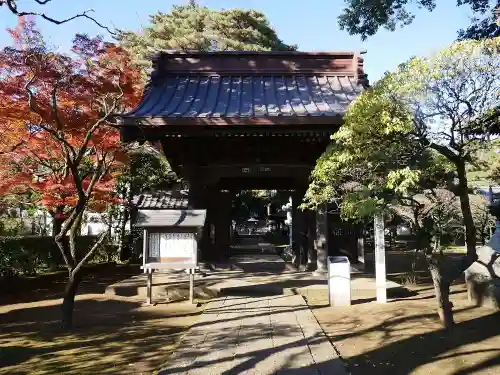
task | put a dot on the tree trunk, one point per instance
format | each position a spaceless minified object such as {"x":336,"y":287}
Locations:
{"x":56,"y":256}
{"x":470,"y":230}
{"x":123,"y":247}
{"x":44,"y":228}
{"x":437,"y":242}
{"x":441,"y":283}
{"x":68,"y":304}
{"x":442,"y":290}
{"x":56,"y":225}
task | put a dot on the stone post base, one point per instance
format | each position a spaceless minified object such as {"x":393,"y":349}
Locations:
{"x":311,"y":266}
{"x":320,"y":273}
{"x":483,"y":284}
{"x":204,"y":267}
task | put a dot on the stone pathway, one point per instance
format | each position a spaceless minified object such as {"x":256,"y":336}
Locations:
{"x":255,"y":335}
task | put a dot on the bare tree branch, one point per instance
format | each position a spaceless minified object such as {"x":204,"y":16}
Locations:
{"x":94,"y":127}
{"x":12,"y":6}
{"x":31,"y":105}
{"x":91,"y":253}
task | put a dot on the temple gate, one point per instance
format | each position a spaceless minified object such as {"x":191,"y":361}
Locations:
{"x":231,"y":121}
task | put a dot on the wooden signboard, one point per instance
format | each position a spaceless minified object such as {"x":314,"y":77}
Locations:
{"x":170,"y":242}
{"x":172,"y":250}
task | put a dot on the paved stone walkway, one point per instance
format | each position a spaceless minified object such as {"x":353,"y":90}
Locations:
{"x":255,"y":335}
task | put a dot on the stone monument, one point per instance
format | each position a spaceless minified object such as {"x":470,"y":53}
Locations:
{"x":483,"y":277}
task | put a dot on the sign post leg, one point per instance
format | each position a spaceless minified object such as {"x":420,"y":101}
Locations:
{"x":149,"y":287}
{"x":191,"y":285}
{"x":380,"y":272}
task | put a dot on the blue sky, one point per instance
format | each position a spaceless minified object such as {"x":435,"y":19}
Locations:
{"x":311,"y":24}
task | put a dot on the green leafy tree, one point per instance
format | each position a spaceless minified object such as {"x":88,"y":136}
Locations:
{"x":147,"y":170}
{"x":248,"y":203}
{"x":365,"y":18}
{"x":483,"y":219}
{"x":417,"y":128}
{"x":194,"y":27}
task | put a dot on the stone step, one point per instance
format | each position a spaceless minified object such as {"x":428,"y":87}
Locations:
{"x":255,"y":290}
{"x":166,"y":287}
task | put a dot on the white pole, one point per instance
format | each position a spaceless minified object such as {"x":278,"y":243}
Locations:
{"x":150,"y":287}
{"x":290,"y":220}
{"x":144,"y":249}
{"x":380,"y":273}
{"x":191,"y":285}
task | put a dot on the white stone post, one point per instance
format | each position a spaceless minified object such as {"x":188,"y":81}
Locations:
{"x":380,"y":273}
{"x":191,"y":285}
{"x":150,"y":287}
{"x":144,"y":249}
{"x":289,"y":219}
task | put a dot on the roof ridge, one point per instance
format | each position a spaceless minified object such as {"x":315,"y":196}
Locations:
{"x":257,"y":62}
{"x":256,"y":53}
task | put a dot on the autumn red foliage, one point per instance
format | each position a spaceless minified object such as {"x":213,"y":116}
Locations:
{"x":55,"y":106}
{"x":57,"y":140}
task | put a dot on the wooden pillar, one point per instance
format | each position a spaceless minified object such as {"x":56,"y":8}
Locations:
{"x":299,"y":231}
{"x":294,"y":230}
{"x":304,"y":237}
{"x":321,"y":244}
{"x":299,"y":235}
{"x":311,"y":237}
{"x":212,"y":214}
{"x":380,"y":274}
{"x":222,"y":211}
{"x":198,"y":199}
{"x":360,"y":241}
{"x":351,"y":230}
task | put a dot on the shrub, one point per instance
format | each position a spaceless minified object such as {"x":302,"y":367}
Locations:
{"x":27,"y":255}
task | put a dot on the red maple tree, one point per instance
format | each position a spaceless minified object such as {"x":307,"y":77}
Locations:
{"x":58,"y":142}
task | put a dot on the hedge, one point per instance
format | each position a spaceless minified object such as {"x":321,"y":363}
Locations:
{"x":27,"y":255}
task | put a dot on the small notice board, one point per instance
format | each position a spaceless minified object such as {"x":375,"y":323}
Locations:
{"x":170,"y":238}
{"x":170,"y":242}
{"x":176,"y":249}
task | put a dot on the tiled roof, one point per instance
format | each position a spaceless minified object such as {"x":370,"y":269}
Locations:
{"x":215,"y":88}
{"x":162,"y":200}
{"x":171,"y":218}
{"x":234,"y":96}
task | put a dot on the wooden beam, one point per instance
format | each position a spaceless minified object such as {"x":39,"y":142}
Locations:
{"x":260,"y":183}
{"x":308,"y":126}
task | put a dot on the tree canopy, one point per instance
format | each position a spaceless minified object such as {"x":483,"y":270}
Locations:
{"x":194,"y":27}
{"x":409,"y":139}
{"x":67,"y":153}
{"x":413,"y":124}
{"x":365,"y":18}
